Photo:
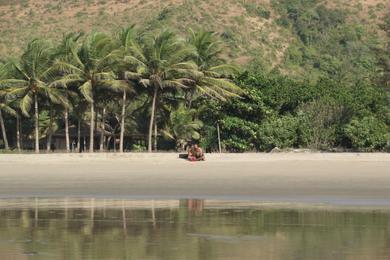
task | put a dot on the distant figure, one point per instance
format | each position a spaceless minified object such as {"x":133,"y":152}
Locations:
{"x":195,"y":153}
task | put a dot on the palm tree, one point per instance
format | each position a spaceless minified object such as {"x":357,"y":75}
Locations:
{"x":18,"y":116}
{"x":126,"y":89}
{"x":30,"y":77}
{"x":163,"y":63}
{"x":213,"y":81}
{"x":61,"y":98}
{"x":63,"y":52}
{"x":127,"y":39}
{"x":4,"y":107}
{"x":91,"y":68}
{"x":50,"y":128}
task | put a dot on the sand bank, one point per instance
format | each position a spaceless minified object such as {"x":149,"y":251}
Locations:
{"x":339,"y":178}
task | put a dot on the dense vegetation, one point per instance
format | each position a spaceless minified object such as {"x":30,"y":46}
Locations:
{"x":285,"y":113}
{"x":85,"y":77}
{"x":340,"y":100}
{"x":329,"y":90}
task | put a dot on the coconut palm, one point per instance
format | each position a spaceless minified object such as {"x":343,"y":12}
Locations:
{"x":57,"y":103}
{"x":79,"y":108}
{"x":5,"y":107}
{"x":29,"y":80}
{"x":63,"y":52}
{"x":127,"y":41}
{"x":213,"y":81}
{"x":91,"y":68}
{"x":163,"y":63}
{"x":17,"y":113}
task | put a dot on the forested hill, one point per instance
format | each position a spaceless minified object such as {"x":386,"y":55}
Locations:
{"x":295,"y":35}
{"x":314,"y":73}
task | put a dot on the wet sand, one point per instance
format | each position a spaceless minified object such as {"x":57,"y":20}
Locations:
{"x":337,"y":179}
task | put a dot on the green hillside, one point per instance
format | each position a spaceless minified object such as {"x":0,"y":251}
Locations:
{"x":261,"y":30}
{"x":272,"y":73}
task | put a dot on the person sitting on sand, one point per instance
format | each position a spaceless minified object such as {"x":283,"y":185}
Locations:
{"x":195,"y":153}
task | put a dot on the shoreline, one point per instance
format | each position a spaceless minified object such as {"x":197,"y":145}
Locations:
{"x":337,"y":179}
{"x":210,"y":157}
{"x":135,"y":204}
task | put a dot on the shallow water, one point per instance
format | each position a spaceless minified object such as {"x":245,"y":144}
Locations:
{"x":188,"y":229}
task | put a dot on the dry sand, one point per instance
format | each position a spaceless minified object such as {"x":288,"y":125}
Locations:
{"x":337,"y":179}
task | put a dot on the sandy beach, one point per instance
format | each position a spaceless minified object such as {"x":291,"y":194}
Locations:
{"x":338,"y":179}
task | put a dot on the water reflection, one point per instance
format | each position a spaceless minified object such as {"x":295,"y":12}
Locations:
{"x":187,"y":229}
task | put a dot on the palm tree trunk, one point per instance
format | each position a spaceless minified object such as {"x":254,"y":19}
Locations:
{"x":155,"y":135}
{"x":21,"y":131}
{"x":114,"y":137}
{"x":152,"y":120}
{"x":50,"y":132}
{"x":108,"y":142}
{"x":122,"y":122}
{"x":66,"y":119}
{"x":219,"y":139}
{"x":102,"y":128}
{"x":36,"y":123}
{"x":78,"y":135}
{"x":18,"y":133}
{"x":92,"y":130}
{"x":3,"y":131}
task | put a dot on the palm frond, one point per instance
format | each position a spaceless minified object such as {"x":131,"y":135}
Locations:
{"x":7,"y":109}
{"x":15,"y":93}
{"x":86,"y":91}
{"x":66,"y":67}
{"x":10,"y":83}
{"x":145,"y":82}
{"x":115,"y":85}
{"x":178,"y":84}
{"x":65,"y":81}
{"x":57,"y":96}
{"x":104,"y":76}
{"x":129,"y":75}
{"x":224,"y":69}
{"x":210,"y":92}
{"x":25,"y":104}
{"x":133,"y":60}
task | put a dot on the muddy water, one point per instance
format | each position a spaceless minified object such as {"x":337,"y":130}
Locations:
{"x":188,"y":229}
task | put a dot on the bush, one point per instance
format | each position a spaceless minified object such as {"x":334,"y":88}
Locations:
{"x":367,"y":134}
{"x":278,"y":132}
{"x":238,"y":135}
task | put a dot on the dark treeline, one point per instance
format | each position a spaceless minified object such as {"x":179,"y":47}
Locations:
{"x":156,"y":90}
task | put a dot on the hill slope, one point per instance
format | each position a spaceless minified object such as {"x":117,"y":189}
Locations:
{"x":253,"y":29}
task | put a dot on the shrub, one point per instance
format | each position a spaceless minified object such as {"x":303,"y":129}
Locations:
{"x":238,"y":135}
{"x":278,"y":132}
{"x":367,"y":134}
